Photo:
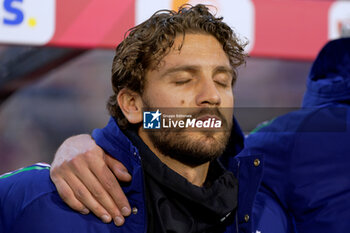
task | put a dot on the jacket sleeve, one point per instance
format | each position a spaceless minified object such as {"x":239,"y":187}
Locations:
{"x":321,"y":185}
{"x":18,"y":189}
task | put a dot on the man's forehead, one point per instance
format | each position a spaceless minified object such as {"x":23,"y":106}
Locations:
{"x":195,"y":50}
{"x":193,"y":39}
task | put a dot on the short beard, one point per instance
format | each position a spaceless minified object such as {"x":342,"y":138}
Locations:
{"x":194,"y":147}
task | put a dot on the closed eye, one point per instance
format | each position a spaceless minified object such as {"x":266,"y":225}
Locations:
{"x":222,"y":84}
{"x":182,"y":82}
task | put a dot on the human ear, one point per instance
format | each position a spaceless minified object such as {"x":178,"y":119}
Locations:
{"x":130,"y":103}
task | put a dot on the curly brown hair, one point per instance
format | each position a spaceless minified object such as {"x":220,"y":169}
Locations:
{"x":148,"y":42}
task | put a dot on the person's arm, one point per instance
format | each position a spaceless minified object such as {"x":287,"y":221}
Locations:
{"x":85,"y":178}
{"x":20,"y":189}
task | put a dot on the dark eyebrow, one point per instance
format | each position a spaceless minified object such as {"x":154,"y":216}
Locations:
{"x":224,"y":69}
{"x":194,"y":69}
{"x":228,"y":70}
{"x":188,"y":68}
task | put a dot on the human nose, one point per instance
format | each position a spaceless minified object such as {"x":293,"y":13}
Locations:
{"x":208,"y":93}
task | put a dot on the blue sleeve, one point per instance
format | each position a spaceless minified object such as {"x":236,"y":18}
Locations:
{"x":18,"y":189}
{"x":321,"y":185}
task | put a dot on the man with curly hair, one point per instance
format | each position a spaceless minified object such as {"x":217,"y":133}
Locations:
{"x":182,"y":180}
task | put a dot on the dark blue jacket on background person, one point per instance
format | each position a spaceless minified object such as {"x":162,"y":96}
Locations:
{"x":29,"y":201}
{"x":306,"y":180}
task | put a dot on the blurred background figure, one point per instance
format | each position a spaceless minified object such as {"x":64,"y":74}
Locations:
{"x":55,"y":63}
{"x":306,"y":187}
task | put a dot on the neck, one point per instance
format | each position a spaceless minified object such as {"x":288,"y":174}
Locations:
{"x":195,"y":175}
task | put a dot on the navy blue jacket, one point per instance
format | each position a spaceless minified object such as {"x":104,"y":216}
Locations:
{"x":29,"y":201}
{"x":306,"y":181}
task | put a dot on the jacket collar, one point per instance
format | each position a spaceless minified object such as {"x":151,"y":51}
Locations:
{"x":115,"y":143}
